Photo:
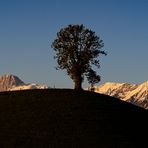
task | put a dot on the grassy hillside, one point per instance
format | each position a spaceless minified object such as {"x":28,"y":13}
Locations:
{"x":66,"y":118}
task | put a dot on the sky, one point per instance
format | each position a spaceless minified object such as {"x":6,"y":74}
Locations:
{"x":28,"y":28}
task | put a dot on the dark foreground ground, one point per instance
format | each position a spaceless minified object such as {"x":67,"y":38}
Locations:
{"x":70,"y":119}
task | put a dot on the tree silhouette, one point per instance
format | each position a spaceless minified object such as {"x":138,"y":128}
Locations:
{"x":77,"y":50}
{"x":92,"y":78}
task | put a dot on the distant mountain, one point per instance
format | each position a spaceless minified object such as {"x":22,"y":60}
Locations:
{"x":29,"y":86}
{"x":134,"y":93}
{"x":10,"y":82}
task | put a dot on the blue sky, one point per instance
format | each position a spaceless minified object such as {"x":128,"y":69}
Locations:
{"x":28,"y":27}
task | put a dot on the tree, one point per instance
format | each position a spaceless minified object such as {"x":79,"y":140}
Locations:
{"x":77,"y":50}
{"x":92,"y":78}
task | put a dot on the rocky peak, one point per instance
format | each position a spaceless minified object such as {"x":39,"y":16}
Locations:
{"x":8,"y":81}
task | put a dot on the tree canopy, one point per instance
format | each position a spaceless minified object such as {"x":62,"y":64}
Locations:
{"x":77,"y":50}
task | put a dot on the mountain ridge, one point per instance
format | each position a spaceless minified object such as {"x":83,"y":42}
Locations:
{"x":134,"y":93}
{"x":10,"y":82}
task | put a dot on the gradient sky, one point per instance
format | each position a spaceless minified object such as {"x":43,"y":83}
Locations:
{"x":28,"y":27}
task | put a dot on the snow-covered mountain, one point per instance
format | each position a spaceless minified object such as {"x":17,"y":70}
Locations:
{"x":134,"y":93}
{"x":10,"y":82}
{"x":29,"y":86}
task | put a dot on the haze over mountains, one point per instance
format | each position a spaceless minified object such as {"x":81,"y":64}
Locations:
{"x":134,"y":93}
{"x":10,"y":82}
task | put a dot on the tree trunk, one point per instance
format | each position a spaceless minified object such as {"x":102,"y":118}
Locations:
{"x":78,"y":83}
